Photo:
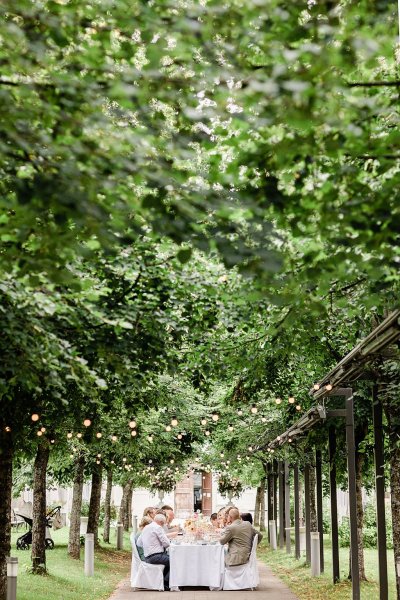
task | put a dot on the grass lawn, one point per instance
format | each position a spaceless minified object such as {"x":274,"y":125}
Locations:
{"x":66,"y":579}
{"x":297,"y":576}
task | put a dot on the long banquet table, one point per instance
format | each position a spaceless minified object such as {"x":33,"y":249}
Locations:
{"x":196,"y":565}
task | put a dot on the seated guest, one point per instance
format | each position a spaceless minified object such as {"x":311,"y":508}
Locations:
{"x":214,"y":520}
{"x":145,"y":521}
{"x":247,"y":517}
{"x":239,"y":537}
{"x":150,"y":511}
{"x":169,"y":513}
{"x":154,"y":543}
{"x":221,"y":518}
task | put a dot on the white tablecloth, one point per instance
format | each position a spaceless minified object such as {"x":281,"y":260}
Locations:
{"x":196,"y":565}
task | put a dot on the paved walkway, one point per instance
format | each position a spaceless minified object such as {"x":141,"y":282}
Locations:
{"x":270,"y":588}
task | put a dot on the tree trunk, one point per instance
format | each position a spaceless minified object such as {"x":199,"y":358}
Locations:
{"x":389,"y":391}
{"x":39,"y":509}
{"x":6,"y":454}
{"x":107,"y":507}
{"x":360,"y":516}
{"x":94,"y":504}
{"x":74,"y":541}
{"x":262,"y":505}
{"x":313,"y":503}
{"x":128,"y":512}
{"x":123,"y":509}
{"x":257,"y":508}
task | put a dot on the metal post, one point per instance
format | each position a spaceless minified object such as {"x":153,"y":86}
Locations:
{"x":272,"y":534}
{"x":12,"y":573}
{"x":315,"y":555}
{"x":380,"y":495}
{"x":89,"y":554}
{"x":287,"y":507}
{"x":320,"y":520}
{"x":134,"y":524}
{"x":333,"y":496}
{"x":120,"y":536}
{"x":307,"y":510}
{"x":351,"y":468}
{"x":281,"y":482}
{"x":296,"y":511}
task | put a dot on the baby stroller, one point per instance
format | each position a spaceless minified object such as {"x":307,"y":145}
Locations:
{"x":52,"y":518}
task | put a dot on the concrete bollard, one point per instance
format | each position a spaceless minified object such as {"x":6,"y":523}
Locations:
{"x":12,"y":573}
{"x":120,"y":536}
{"x":89,"y":554}
{"x":134,"y":524}
{"x":272,"y":535}
{"x":315,"y":555}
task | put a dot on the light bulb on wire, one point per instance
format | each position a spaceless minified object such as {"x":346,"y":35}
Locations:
{"x":174,"y":421}
{"x":254,"y":409}
{"x":87,"y":422}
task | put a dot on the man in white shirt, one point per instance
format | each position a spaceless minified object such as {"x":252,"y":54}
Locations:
{"x":154,"y":543}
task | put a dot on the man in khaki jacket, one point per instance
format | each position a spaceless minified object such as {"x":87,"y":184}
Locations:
{"x":239,"y":536}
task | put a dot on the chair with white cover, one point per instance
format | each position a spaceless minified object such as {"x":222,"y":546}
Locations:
{"x":243,"y":577}
{"x":144,"y":575}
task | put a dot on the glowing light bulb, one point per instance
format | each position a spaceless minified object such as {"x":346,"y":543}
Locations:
{"x":172,"y":461}
{"x":43,"y":429}
{"x":298,"y":407}
{"x":124,"y":459}
{"x":291,"y":400}
{"x":7,"y":428}
{"x":35,"y":417}
{"x":328,"y":387}
{"x":114,"y":438}
{"x":87,"y":422}
{"x":215,"y":417}
{"x":99,"y":456}
{"x":52,"y":441}
{"x":174,"y":421}
{"x":203,"y":421}
{"x":222,"y":455}
{"x":133,"y":433}
{"x":264,"y":419}
{"x":179,"y":436}
{"x":150,"y":438}
{"x":69,"y":435}
{"x":250,"y":448}
{"x":278,"y":401}
{"x":239,"y":412}
{"x":230,"y":427}
{"x":316,"y":386}
{"x":132,"y":424}
{"x":39,"y":433}
{"x":79,"y":435}
{"x":207,"y":432}
{"x":254,"y":409}
{"x":99,"y":435}
{"x":168,"y":428}
{"x":289,"y":440}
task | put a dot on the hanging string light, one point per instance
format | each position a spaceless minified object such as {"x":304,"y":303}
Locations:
{"x":215,"y":417}
{"x":172,"y":461}
{"x":133,"y":433}
{"x":132,"y":423}
{"x":298,"y":407}
{"x":39,"y":433}
{"x":7,"y":428}
{"x":264,"y":419}
{"x":316,"y":386}
{"x":174,"y":421}
{"x":179,"y":436}
{"x":35,"y":417}
{"x":114,"y":438}
{"x":99,"y":435}
{"x":168,"y":428}
{"x":254,"y":409}
{"x":150,"y":438}
{"x":230,"y":427}
{"x":87,"y":422}
{"x":79,"y":435}
{"x":291,"y":400}
{"x":239,"y":412}
{"x":250,"y":448}
{"x":203,"y":421}
{"x":328,"y":387}
{"x":278,"y":400}
{"x":207,"y":432}
{"x":53,"y":441}
{"x":43,"y":429}
{"x":69,"y":435}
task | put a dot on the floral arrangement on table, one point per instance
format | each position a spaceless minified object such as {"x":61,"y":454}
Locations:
{"x":231,"y":486}
{"x":198,"y":526}
{"x":164,"y":480}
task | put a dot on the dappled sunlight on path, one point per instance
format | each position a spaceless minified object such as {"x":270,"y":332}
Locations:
{"x":270,"y":588}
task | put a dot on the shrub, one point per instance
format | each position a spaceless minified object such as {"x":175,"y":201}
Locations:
{"x":369,"y":529}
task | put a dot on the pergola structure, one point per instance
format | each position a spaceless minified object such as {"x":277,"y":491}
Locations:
{"x":339,"y":382}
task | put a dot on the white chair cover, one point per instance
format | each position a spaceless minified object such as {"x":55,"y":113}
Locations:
{"x":243,"y":577}
{"x":143,"y":575}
